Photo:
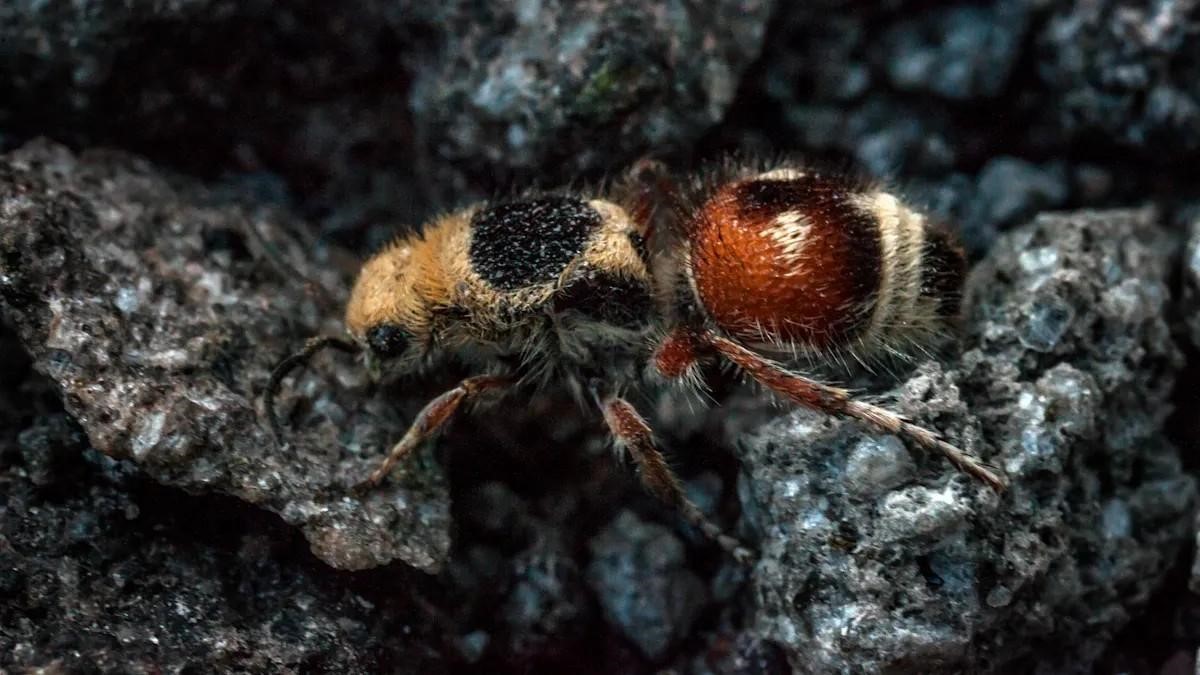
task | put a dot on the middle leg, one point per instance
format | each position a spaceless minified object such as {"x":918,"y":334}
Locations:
{"x":632,"y":432}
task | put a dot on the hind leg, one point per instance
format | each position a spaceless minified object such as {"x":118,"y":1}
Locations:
{"x":833,"y":400}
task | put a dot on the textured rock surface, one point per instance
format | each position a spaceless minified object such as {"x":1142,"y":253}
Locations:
{"x":149,"y":303}
{"x":111,"y":573}
{"x":610,"y":82}
{"x":1063,"y":384}
{"x":314,"y":91}
{"x":639,"y":572}
{"x":936,"y":96}
{"x":1191,"y":284}
{"x":1124,"y":71}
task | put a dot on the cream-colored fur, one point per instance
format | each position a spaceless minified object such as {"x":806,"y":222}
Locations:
{"x":425,"y":284}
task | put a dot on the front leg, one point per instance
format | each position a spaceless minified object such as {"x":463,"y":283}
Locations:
{"x":632,"y":432}
{"x":432,"y":419}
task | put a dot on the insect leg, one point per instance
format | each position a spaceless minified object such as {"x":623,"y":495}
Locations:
{"x":432,"y":419}
{"x":807,"y":392}
{"x":290,"y":363}
{"x":643,"y":189}
{"x":632,"y":432}
{"x":678,"y":355}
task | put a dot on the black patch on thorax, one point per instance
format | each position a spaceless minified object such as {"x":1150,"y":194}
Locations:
{"x":609,"y":299}
{"x":518,"y":244}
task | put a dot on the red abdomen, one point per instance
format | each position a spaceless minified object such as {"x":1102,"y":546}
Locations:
{"x":786,"y":258}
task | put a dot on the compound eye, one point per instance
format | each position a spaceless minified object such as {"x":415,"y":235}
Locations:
{"x":387,"y":341}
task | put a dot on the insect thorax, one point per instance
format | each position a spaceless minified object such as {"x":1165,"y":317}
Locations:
{"x":556,"y":285}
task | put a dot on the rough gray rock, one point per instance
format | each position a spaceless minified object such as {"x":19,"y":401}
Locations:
{"x":1011,"y":190}
{"x":844,"y":75}
{"x":315,"y":92}
{"x":640,"y":575}
{"x":546,"y":601}
{"x":76,"y":44}
{"x":557,"y":88}
{"x":737,"y":653}
{"x":530,"y":586}
{"x":1126,"y":72}
{"x":1063,"y":383}
{"x":905,"y":94}
{"x":108,"y":572}
{"x":1191,"y":284}
{"x":962,"y":52}
{"x":158,"y":311}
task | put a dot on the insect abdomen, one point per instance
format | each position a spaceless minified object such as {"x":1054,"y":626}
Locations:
{"x":796,"y":260}
{"x":786,"y":260}
{"x":943,"y":271}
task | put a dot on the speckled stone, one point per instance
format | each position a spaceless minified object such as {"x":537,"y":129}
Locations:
{"x":1191,"y":283}
{"x":108,"y":572}
{"x":554,"y":88}
{"x":159,"y":311}
{"x":639,"y":573}
{"x":378,"y":110}
{"x":1125,"y":72}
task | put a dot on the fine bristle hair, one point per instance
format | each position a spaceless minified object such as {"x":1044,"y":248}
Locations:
{"x":711,"y":175}
{"x":537,"y":188}
{"x":290,"y":363}
{"x":507,"y":191}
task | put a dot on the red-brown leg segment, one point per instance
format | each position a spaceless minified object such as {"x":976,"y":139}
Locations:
{"x":632,"y":432}
{"x":646,"y":185}
{"x":432,"y":418}
{"x":804,"y":391}
{"x":678,"y":355}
